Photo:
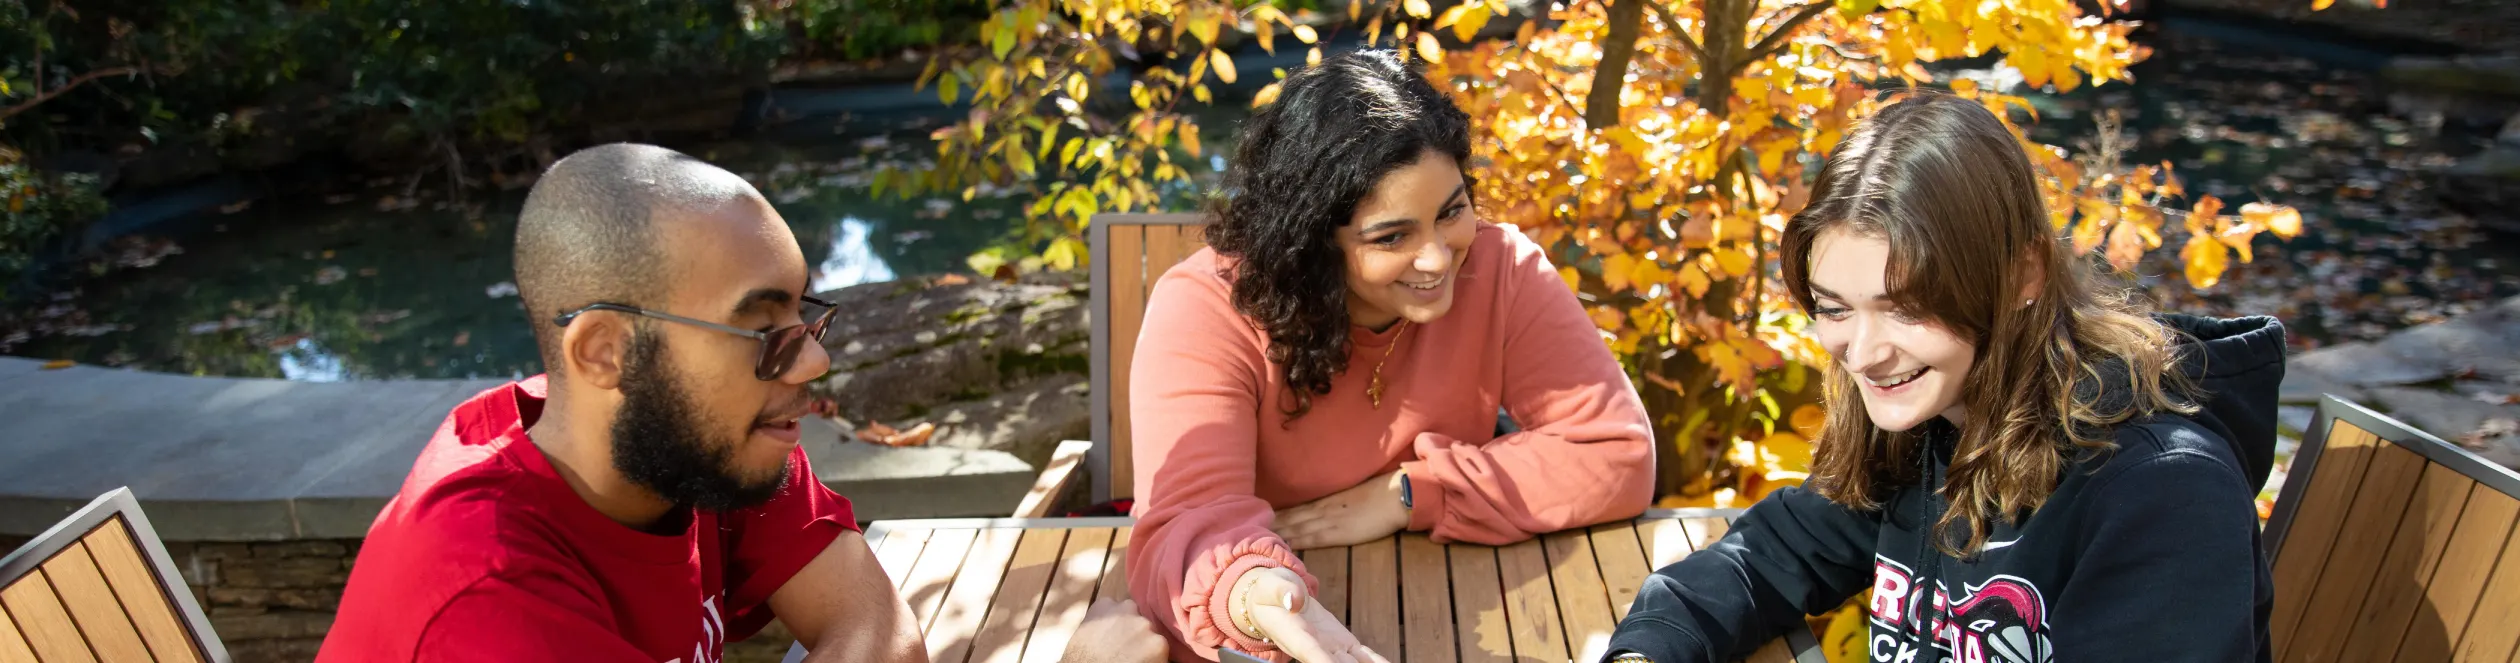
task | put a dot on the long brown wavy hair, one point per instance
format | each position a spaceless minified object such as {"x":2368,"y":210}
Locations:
{"x":1945,"y":184}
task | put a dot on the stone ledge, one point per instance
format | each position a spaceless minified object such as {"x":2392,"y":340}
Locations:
{"x":229,"y":459}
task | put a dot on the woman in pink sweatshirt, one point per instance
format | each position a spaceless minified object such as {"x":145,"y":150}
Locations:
{"x":1331,"y":371}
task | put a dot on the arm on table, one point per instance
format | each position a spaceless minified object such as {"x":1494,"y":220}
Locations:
{"x":845,"y":607}
{"x":1795,"y":553}
{"x":1194,"y":407}
{"x":1585,"y":454}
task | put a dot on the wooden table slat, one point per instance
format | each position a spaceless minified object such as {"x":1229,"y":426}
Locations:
{"x":1019,"y":597}
{"x":934,"y":572}
{"x":899,"y":551}
{"x":1582,"y":601}
{"x":1426,"y":597}
{"x":1774,"y":652}
{"x":1115,"y":579}
{"x":1081,"y":563}
{"x":1705,"y":532}
{"x":967,"y":604}
{"x":1666,"y":540}
{"x":1374,"y":596}
{"x":1329,"y":569}
{"x":1478,"y":603}
{"x":1015,"y":590}
{"x":1623,"y":564}
{"x":1531,"y":602}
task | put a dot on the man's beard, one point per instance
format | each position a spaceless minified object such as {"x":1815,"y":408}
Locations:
{"x":659,"y":443}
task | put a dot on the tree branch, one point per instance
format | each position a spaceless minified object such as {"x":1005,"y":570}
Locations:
{"x":1776,"y":38}
{"x":1672,"y":26}
{"x":23,"y":106}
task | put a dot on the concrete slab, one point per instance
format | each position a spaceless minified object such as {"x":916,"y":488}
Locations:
{"x":887,"y":483}
{"x":2306,"y":386}
{"x":16,"y":366}
{"x":2366,"y":364}
{"x":2471,"y":343}
{"x":2445,"y":415}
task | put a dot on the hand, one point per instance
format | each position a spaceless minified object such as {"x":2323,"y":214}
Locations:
{"x":1364,"y":512}
{"x":1114,"y":632}
{"x":1280,"y":610}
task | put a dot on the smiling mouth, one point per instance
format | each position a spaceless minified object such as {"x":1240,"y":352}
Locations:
{"x":1438,"y":282}
{"x":1895,"y":380}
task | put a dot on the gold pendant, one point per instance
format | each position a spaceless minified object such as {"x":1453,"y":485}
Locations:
{"x":1374,"y":390}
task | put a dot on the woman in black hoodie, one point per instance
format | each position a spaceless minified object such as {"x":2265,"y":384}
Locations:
{"x":2021,"y":465}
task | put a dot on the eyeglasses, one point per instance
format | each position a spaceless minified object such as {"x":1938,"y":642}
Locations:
{"x":779,"y":347}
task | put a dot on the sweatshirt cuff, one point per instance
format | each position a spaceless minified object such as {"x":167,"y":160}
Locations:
{"x":1426,"y":496}
{"x":1214,"y":604}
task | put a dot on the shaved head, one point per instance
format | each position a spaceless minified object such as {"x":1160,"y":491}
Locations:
{"x":588,"y":233}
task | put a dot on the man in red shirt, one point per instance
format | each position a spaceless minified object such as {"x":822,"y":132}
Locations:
{"x":645,"y":500}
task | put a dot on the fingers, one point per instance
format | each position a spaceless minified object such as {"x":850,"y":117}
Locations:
{"x":1278,"y":588}
{"x":1293,"y":635}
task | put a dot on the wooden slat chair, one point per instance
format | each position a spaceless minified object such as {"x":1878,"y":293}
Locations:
{"x":1129,"y":252}
{"x":100,"y":587}
{"x":2389,"y":544}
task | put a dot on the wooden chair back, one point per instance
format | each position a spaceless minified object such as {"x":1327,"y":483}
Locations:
{"x":2390,"y":544}
{"x":1129,"y":252}
{"x":100,"y":587}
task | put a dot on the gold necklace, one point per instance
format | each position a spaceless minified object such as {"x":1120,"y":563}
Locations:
{"x":1374,"y":387}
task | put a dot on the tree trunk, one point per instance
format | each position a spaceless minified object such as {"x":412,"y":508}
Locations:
{"x":1601,"y":106}
{"x":1685,"y":453}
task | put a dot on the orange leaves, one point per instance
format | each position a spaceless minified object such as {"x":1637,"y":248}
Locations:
{"x":2206,"y":257}
{"x":1224,"y":65}
{"x":2284,"y":221}
{"x":1465,"y":19}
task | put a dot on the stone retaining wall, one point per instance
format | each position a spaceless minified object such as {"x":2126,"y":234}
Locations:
{"x":268,"y":601}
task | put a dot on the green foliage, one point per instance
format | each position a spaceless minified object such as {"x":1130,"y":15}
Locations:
{"x":861,"y":29}
{"x":38,"y":207}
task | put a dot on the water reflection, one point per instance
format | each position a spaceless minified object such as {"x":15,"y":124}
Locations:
{"x":338,"y":290}
{"x":308,"y":362}
{"x":852,"y":260}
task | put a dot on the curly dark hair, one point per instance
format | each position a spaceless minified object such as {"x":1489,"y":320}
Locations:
{"x":1305,"y":162}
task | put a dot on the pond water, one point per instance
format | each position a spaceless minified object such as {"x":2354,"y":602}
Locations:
{"x":337,"y":289}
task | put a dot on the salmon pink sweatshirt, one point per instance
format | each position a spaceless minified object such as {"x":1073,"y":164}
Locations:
{"x":1215,"y":456}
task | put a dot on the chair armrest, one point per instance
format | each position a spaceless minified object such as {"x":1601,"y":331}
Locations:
{"x":1055,"y":476}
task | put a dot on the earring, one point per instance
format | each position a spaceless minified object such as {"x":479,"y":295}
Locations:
{"x":2027,"y":302}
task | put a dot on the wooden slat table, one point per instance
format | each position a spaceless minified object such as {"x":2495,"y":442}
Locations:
{"x":1011,"y":590}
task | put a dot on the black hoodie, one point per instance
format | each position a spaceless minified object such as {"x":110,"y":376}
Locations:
{"x":2147,"y":553}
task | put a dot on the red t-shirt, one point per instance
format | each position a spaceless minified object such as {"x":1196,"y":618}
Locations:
{"x":487,"y":555}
